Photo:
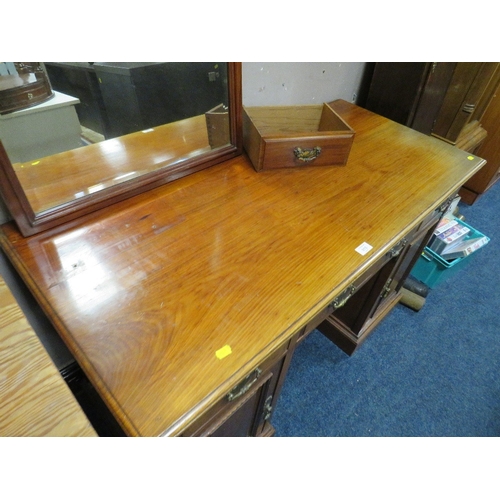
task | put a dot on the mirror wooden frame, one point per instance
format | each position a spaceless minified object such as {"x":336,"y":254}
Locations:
{"x":30,"y":223}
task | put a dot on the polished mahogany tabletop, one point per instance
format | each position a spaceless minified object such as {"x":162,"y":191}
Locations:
{"x":148,"y":291}
{"x":54,"y":180}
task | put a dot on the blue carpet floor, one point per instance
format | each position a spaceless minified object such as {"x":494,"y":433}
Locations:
{"x":429,"y":373}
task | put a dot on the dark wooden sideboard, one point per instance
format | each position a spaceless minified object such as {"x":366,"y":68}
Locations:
{"x":184,"y":304}
{"x":489,"y":149}
{"x":455,"y":102}
{"x":117,"y":98}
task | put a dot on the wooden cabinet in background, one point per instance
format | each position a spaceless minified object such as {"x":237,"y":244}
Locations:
{"x":451,"y":101}
{"x":119,"y":98}
{"x":490,"y":151}
{"x":79,"y":80}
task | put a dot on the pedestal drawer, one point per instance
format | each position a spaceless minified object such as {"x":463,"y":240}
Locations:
{"x":247,"y":408}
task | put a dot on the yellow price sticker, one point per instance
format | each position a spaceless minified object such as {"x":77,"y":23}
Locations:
{"x":223,"y":352}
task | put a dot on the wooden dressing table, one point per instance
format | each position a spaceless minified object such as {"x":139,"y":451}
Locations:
{"x":184,"y":304}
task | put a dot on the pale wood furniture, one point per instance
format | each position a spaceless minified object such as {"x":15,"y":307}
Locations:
{"x":184,"y":304}
{"x":34,"y":399}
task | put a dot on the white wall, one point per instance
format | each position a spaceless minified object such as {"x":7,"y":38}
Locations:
{"x":289,"y":83}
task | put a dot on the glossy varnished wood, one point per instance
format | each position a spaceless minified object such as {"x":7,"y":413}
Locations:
{"x":64,"y":177}
{"x":489,"y":149}
{"x":34,"y":399}
{"x":132,"y":166}
{"x":146,"y":292}
{"x":272,"y":134}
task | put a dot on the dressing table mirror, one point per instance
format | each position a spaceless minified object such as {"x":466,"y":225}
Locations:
{"x":181,"y":128}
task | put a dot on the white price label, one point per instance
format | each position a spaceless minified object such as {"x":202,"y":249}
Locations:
{"x":364,"y":248}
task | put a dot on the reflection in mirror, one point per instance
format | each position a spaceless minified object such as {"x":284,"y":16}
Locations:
{"x":112,"y":130}
{"x":22,"y":85}
{"x":123,"y":97}
{"x":61,"y":178}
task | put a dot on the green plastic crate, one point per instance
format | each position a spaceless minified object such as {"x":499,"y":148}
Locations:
{"x":431,"y":269}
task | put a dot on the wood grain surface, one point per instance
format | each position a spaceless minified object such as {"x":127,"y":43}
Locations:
{"x":60,"y":178}
{"x":34,"y":399}
{"x":147,"y":291}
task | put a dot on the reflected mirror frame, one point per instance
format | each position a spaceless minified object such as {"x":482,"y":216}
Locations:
{"x":30,"y":223}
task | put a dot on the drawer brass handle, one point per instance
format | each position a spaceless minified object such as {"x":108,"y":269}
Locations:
{"x":396,"y":250}
{"x":341,"y":300}
{"x":268,"y":407}
{"x":444,"y":207}
{"x":244,"y":386}
{"x":469,"y":108}
{"x":307,"y":154}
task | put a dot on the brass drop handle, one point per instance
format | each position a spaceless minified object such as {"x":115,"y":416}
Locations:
{"x":341,"y":300}
{"x":244,"y":386}
{"x":307,"y":154}
{"x":395,"y":251}
{"x":268,"y":407}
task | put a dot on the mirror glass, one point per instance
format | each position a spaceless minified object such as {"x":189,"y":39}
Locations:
{"x":102,"y":130}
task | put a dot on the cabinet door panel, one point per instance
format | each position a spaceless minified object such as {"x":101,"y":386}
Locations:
{"x":432,"y":96}
{"x":246,"y":417}
{"x":350,"y":325}
{"x":466,"y":88}
{"x":489,"y":149}
{"x":247,"y":408}
{"x":404,"y":80}
{"x":362,"y":305}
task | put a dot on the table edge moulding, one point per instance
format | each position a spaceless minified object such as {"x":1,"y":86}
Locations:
{"x":184,"y":304}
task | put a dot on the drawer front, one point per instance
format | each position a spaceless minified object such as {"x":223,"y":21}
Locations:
{"x":378,"y":289}
{"x":356,"y":292}
{"x":314,"y":151}
{"x":434,"y":216}
{"x":242,"y":412}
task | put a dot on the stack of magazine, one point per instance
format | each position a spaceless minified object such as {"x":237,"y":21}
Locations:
{"x":453,"y":239}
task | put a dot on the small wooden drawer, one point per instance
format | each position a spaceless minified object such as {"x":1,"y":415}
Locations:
{"x":295,"y":136}
{"x":28,"y":88}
